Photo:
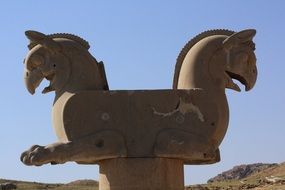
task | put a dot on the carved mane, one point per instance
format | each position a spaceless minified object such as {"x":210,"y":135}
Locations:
{"x":190,"y":44}
{"x":73,"y":37}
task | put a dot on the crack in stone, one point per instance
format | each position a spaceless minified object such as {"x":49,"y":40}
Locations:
{"x":184,"y":108}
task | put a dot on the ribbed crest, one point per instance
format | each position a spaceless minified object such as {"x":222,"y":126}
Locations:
{"x":75,"y":38}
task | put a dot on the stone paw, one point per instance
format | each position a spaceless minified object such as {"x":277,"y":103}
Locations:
{"x":36,"y":155}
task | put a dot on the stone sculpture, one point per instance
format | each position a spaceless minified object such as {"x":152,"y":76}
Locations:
{"x":130,"y":133}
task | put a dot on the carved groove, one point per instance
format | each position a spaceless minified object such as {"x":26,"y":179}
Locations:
{"x":72,"y":37}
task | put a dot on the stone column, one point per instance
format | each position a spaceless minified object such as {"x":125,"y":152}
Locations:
{"x":141,"y":174}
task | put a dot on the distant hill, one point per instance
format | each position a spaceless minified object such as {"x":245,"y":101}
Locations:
{"x":252,"y":176}
{"x":241,"y":172}
{"x":75,"y":185}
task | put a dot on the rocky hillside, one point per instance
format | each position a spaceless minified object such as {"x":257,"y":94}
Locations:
{"x":253,"y":176}
{"x":241,"y":172}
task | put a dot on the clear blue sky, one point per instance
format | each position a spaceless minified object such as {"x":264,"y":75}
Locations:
{"x":139,"y":42}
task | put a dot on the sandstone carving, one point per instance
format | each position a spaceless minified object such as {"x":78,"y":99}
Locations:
{"x":94,"y":124}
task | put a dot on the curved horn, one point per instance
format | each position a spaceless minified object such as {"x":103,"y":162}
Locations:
{"x":44,"y":40}
{"x":239,"y":37}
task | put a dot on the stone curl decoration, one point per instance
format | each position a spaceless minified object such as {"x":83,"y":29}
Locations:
{"x":94,"y":124}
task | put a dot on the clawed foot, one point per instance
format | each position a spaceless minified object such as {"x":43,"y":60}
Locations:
{"x":36,"y":155}
{"x":89,"y":149}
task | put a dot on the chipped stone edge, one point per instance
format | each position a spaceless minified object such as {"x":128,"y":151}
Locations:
{"x":183,"y":108}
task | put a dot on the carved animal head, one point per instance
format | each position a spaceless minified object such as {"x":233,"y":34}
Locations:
{"x":64,"y":60}
{"x":241,"y":60}
{"x":216,"y":57}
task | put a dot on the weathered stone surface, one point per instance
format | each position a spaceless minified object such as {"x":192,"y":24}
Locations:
{"x":98,"y":125}
{"x":141,"y":174}
{"x":211,"y":61}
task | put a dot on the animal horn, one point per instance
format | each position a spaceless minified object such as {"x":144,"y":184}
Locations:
{"x":238,"y":38}
{"x":44,"y":40}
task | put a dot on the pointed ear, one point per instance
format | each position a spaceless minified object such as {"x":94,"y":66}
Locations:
{"x":238,"y":38}
{"x":44,"y":40}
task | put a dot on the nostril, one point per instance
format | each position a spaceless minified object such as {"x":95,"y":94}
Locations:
{"x":54,"y":65}
{"x":27,"y":74}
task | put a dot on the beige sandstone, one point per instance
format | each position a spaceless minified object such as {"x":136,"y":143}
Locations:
{"x":142,"y":138}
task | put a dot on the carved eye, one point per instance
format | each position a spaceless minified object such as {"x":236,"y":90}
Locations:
{"x":54,"y":65}
{"x":242,"y":57}
{"x":37,"y":60}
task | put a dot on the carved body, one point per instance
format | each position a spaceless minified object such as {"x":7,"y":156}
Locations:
{"x":144,"y":119}
{"x":93,"y":124}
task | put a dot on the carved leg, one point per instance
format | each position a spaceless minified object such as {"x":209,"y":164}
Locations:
{"x":102,"y":145}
